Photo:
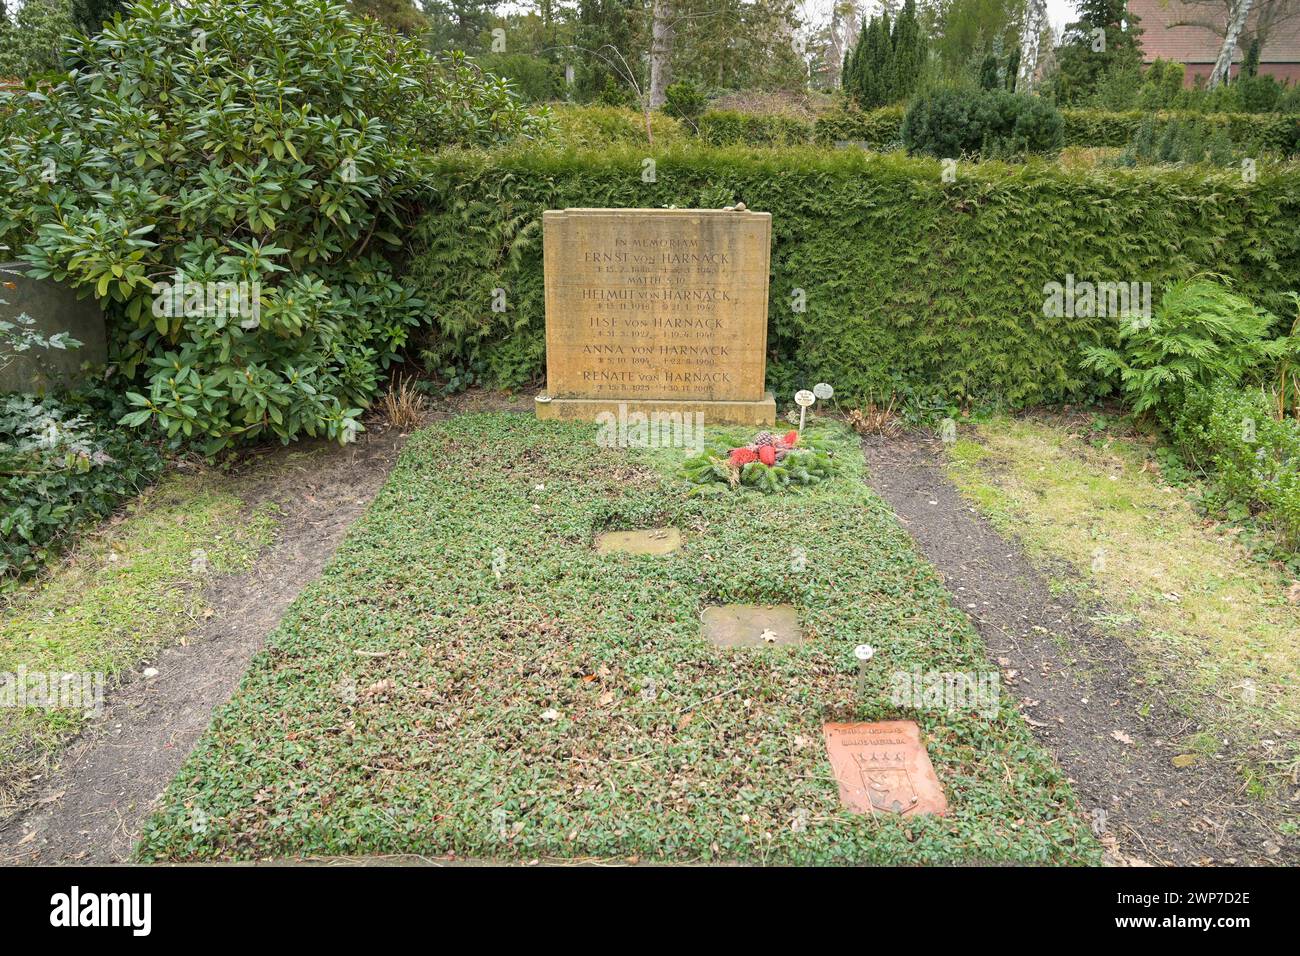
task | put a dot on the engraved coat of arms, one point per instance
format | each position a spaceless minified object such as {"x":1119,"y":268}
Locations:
{"x":888,"y":785}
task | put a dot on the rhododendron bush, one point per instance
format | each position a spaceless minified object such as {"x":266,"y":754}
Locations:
{"x":273,"y":151}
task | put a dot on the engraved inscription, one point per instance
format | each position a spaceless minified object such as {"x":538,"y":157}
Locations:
{"x":883,"y":768}
{"x":656,"y":303}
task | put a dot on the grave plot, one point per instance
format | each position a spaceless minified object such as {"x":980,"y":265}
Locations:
{"x":471,"y":676}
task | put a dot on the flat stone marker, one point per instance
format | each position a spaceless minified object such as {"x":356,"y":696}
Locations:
{"x":645,"y":541}
{"x":752,"y":625}
{"x":883,"y":768}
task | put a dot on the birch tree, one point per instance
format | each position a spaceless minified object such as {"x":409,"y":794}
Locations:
{"x":1031,"y":36}
{"x":1224,"y":63}
{"x":661,"y":52}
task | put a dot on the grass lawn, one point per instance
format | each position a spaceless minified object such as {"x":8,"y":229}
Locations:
{"x":1213,"y":628}
{"x":413,"y":702}
{"x":122,"y":593}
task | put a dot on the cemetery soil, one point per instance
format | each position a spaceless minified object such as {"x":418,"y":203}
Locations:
{"x":1134,"y":698}
{"x":470,"y":676}
{"x":79,"y":791}
{"x":86,"y":798}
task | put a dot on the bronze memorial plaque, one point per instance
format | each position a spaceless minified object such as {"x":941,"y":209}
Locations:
{"x":883,"y":768}
{"x":656,"y":310}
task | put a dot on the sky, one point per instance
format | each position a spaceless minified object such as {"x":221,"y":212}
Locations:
{"x":1059,"y":12}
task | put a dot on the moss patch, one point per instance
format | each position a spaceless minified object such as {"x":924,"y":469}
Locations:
{"x":127,"y":590}
{"x":1209,"y":625}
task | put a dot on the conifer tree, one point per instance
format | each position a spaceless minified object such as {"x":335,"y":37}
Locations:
{"x":885,"y":65}
{"x":1250,"y":67}
{"x":989,"y":73}
{"x":1102,"y":41}
{"x":908,"y":52}
{"x":853,"y":65}
{"x":883,"y":61}
{"x":874,"y":81}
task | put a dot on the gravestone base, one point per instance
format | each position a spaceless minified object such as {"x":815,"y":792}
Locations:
{"x":761,"y":412}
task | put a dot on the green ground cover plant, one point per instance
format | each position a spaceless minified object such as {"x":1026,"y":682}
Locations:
{"x":63,"y":465}
{"x":886,"y":280}
{"x":469,"y":675}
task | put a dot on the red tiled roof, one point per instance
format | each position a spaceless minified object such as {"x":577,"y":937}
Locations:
{"x":1193,"y":44}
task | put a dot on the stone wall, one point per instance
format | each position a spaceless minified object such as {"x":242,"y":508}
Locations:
{"x":56,"y":308}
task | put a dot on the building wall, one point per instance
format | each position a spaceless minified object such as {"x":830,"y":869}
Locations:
{"x":1282,"y":72}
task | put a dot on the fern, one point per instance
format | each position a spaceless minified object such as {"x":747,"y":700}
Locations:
{"x":1201,"y":332}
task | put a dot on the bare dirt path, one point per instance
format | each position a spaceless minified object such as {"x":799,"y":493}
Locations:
{"x":92,"y":806}
{"x":1079,"y":689}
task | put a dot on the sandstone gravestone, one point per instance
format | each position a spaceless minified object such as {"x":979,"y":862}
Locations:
{"x":883,"y":768}
{"x":657,"y":310}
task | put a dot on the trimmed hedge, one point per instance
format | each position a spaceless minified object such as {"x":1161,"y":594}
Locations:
{"x":881,"y":129}
{"x":727,"y":127}
{"x":1264,"y":132}
{"x":594,"y":126}
{"x":929,"y":289}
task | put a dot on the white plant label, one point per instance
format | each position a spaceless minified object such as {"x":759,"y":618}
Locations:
{"x":803,"y":398}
